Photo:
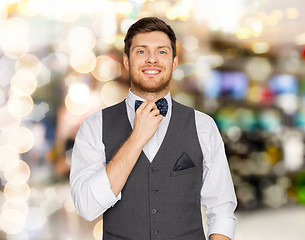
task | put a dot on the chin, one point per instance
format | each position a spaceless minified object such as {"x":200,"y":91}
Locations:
{"x":153,"y":88}
{"x":150,"y":85}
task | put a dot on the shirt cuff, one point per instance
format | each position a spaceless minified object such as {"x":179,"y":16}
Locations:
{"x":224,"y":226}
{"x":100,"y":188}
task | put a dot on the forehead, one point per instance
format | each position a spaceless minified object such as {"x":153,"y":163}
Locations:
{"x":151,"y":39}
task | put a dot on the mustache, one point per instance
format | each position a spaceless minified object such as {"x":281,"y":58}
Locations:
{"x":151,"y":66}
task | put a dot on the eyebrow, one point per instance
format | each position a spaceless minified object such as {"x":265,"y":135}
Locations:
{"x":145,"y":46}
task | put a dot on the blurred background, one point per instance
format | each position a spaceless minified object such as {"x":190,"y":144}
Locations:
{"x":240,"y":61}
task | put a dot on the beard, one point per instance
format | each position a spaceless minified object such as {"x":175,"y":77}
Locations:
{"x":151,"y":85}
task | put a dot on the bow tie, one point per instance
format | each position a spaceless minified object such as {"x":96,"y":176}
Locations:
{"x":162,"y":105}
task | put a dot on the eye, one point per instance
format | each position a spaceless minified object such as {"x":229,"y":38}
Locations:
{"x":141,"y":52}
{"x":162,"y":52}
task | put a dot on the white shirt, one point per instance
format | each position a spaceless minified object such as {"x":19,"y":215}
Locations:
{"x":90,"y":185}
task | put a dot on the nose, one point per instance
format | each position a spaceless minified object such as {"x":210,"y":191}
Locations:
{"x":151,"y":58}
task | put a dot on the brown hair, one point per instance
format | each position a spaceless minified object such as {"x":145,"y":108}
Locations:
{"x":146,"y":25}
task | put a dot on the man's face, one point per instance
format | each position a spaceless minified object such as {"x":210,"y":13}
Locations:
{"x":150,"y":62}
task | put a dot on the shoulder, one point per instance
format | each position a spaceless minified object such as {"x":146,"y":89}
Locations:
{"x":203,"y":117}
{"x":207,"y":130}
{"x":204,"y":122}
{"x":92,"y":120}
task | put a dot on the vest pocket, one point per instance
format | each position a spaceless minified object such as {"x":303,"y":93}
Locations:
{"x":182,"y":172}
{"x":114,"y":236}
{"x":190,"y":234}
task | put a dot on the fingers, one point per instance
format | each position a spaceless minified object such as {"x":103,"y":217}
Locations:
{"x":155,"y":112}
{"x":148,"y":107}
{"x":159,"y":117}
{"x":146,"y":121}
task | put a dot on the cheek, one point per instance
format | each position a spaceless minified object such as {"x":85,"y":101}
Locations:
{"x":134,"y":64}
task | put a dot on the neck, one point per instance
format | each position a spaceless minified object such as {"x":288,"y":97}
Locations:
{"x":153,"y":96}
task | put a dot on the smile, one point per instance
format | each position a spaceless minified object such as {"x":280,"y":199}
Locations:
{"x":151,"y":71}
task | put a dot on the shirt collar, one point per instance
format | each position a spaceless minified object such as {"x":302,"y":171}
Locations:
{"x":131,"y":98}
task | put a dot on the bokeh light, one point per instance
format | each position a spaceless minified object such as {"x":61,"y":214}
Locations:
{"x":21,"y":138}
{"x":17,"y":170}
{"x":15,"y":203}
{"x":243,"y":33}
{"x":30,"y":63}
{"x":106,"y":69}
{"x":16,"y":190}
{"x":292,"y":13}
{"x":44,"y":77}
{"x":14,"y":28}
{"x":260,"y":47}
{"x":77,"y":108}
{"x":23,"y":83}
{"x":12,"y":221}
{"x":79,"y":92}
{"x":7,"y":120}
{"x":7,"y":153}
{"x":293,"y":150}
{"x":20,"y":106}
{"x":190,"y":43}
{"x":16,"y":48}
{"x":300,"y":39}
{"x":31,"y":7}
{"x":112,"y":92}
{"x":257,"y":28}
{"x":287,"y":102}
{"x":259,"y":63}
{"x":82,"y":60}
{"x":14,"y":37}
{"x":124,"y":7}
{"x":81,"y":38}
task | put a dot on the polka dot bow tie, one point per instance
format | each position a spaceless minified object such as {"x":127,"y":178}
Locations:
{"x":162,"y":105}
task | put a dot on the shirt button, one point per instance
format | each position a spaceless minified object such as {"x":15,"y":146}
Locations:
{"x":155,"y":232}
{"x":154,"y":211}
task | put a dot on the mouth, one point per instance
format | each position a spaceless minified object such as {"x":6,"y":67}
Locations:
{"x":151,"y":72}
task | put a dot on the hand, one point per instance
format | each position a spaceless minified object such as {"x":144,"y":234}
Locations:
{"x":146,"y":122}
{"x":218,"y":237}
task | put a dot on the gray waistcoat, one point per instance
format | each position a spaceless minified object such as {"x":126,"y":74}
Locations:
{"x":157,"y":203}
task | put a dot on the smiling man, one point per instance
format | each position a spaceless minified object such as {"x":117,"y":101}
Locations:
{"x":149,"y":163}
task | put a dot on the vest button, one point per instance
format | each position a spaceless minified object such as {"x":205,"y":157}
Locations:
{"x":154,"y":169}
{"x":154,"y":211}
{"x":154,"y":191}
{"x":155,"y":232}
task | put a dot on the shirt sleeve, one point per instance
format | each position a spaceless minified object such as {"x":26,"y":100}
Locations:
{"x":90,"y":187}
{"x":217,"y":193}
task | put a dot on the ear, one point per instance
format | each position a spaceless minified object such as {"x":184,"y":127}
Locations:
{"x":126,"y":61}
{"x":175,"y":62}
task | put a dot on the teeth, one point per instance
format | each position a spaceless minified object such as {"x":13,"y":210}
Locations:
{"x":151,"y":71}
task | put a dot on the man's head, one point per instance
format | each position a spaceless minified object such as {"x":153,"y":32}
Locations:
{"x":150,"y":56}
{"x":146,"y":25}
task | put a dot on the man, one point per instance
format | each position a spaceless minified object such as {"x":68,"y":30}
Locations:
{"x":148,"y":172}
